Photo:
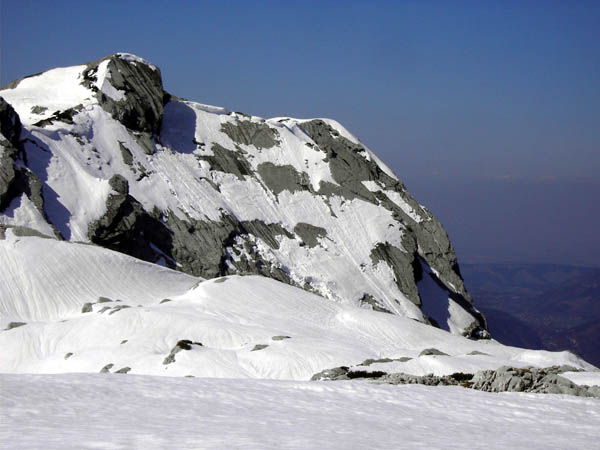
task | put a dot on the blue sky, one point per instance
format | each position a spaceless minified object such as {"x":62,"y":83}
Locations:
{"x":488,"y":110}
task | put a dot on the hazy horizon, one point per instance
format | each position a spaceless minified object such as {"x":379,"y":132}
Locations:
{"x":487,"y":111}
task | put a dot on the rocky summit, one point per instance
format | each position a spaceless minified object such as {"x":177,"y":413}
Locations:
{"x":100,"y":153}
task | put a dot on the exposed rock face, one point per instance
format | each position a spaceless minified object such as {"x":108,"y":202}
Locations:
{"x":184,"y":344}
{"x":544,"y":381}
{"x":214,"y":193}
{"x":15,"y":180}
{"x":10,"y":129}
{"x":139,"y":102}
{"x":505,"y":379}
{"x":10,"y":124}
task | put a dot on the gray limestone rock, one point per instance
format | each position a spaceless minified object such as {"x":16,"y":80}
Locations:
{"x":427,"y":380}
{"x":68,"y":355}
{"x":119,"y":184}
{"x":65,"y":116}
{"x":10,"y":123}
{"x":266,"y":232}
{"x":86,"y":308}
{"x":347,"y":161}
{"x":432,"y":351}
{"x":38,"y":109}
{"x":310,"y":234}
{"x":594,"y":390}
{"x":337,"y":373}
{"x":259,"y":347}
{"x":280,"y":338}
{"x":504,"y":379}
{"x":368,"y":362}
{"x":373,"y":303}
{"x":352,"y":374}
{"x":402,"y":263}
{"x":25,"y":231}
{"x":12,"y":325}
{"x":16,"y":179}
{"x":227,"y":161}
{"x":123,"y":370}
{"x":512,"y":379}
{"x":118,"y":308}
{"x":106,"y":368}
{"x":126,"y":154}
{"x":283,"y":178}
{"x":141,"y":109}
{"x":10,"y":128}
{"x":127,"y":227}
{"x":246,"y":132}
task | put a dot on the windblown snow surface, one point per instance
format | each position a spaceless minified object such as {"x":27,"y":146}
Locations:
{"x":83,"y":411}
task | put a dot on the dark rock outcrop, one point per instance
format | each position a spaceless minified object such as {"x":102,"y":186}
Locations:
{"x":258,"y":347}
{"x":15,"y":178}
{"x":544,"y":381}
{"x":13,"y":325}
{"x":141,"y":109}
{"x":184,"y":344}
{"x":432,"y":351}
{"x":504,"y":379}
{"x":247,"y":132}
{"x":10,"y":124}
{"x":106,"y":368}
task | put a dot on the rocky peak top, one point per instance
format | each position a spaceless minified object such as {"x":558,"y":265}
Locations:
{"x":129,"y":88}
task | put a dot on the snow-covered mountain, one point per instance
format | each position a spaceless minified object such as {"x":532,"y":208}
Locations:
{"x":100,"y":153}
{"x":147,"y":235}
{"x":107,"y":183}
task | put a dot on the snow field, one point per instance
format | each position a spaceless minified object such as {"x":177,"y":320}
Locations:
{"x":86,"y":411}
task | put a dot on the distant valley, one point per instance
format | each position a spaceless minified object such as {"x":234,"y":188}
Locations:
{"x":540,"y":306}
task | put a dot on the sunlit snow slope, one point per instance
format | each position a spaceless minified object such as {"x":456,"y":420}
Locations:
{"x":71,"y":307}
{"x":100,"y":153}
{"x":91,"y":411}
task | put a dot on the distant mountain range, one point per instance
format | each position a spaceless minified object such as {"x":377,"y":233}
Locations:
{"x":553,"y":307}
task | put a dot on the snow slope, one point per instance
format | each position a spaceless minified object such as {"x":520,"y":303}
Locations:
{"x":83,"y":308}
{"x":46,"y":279}
{"x":124,"y":412}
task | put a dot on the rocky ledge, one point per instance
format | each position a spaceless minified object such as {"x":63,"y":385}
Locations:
{"x":504,"y":379}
